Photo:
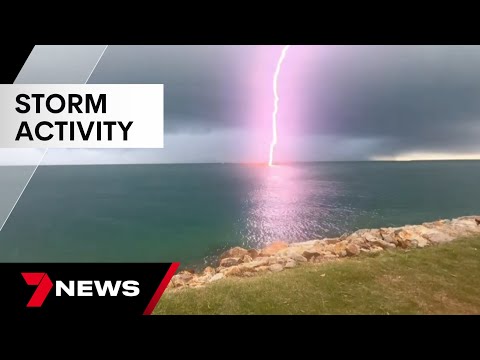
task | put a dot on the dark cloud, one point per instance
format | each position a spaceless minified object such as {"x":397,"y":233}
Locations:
{"x":198,"y":81}
{"x":396,"y":99}
{"x":412,"y":97}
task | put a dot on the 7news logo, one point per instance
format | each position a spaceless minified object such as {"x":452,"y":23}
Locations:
{"x":129,"y":288}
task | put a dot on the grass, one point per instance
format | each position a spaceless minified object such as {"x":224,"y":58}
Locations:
{"x":443,"y":279}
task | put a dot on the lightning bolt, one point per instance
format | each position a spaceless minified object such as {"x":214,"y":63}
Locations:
{"x":275,"y":103}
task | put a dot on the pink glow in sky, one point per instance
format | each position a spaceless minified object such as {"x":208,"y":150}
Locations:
{"x":276,"y":101}
{"x":260,"y":103}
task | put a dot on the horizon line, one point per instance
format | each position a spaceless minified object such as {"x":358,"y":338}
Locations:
{"x":248,"y":163}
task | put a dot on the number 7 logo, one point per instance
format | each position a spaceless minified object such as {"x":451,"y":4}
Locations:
{"x":44,"y":286}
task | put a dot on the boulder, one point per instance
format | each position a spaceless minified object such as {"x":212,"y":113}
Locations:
{"x":275,"y":268}
{"x":404,"y":243}
{"x":209,"y":271}
{"x":388,"y":235}
{"x":352,"y":250}
{"x":261,"y":268}
{"x":236,"y":252}
{"x":290,"y":264}
{"x":201,"y":279}
{"x":253,"y":253}
{"x":422,"y":242}
{"x":372,"y":236}
{"x":339,"y":249}
{"x":185,"y":276}
{"x":437,"y":237}
{"x":298,"y":258}
{"x":331,"y":240}
{"x":273,"y":248}
{"x":247,"y":259}
{"x":306,"y":244}
{"x":260,"y":261}
{"x":181,"y":279}
{"x":234,"y":271}
{"x":375,"y":249}
{"x":357,"y":240}
{"x":216,"y":277}
{"x":383,"y":244}
{"x":313,"y":251}
{"x":310,"y":254}
{"x":227,"y":262}
{"x":477,"y":221}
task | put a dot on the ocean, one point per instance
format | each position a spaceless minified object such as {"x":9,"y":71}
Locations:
{"x":192,"y":212}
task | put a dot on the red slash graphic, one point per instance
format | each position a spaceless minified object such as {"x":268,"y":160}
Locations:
{"x":44,"y":286}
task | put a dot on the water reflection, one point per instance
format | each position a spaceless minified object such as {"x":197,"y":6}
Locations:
{"x":288,"y":203}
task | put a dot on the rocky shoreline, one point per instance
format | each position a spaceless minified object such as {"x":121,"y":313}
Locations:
{"x":281,"y":256}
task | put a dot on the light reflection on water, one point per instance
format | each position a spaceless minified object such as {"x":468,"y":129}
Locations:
{"x":289,"y":204}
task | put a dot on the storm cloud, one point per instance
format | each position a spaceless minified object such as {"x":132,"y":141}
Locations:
{"x":337,"y":102}
{"x":377,"y":101}
{"x":407,"y":98}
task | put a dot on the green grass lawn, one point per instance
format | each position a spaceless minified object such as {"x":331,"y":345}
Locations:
{"x":438,"y":280}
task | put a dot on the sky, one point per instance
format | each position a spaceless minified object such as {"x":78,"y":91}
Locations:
{"x":337,"y":103}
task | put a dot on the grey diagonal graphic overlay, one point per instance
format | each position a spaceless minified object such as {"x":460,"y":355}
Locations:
{"x":62,"y":64}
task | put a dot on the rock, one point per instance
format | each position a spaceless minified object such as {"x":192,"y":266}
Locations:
{"x":357,"y":240}
{"x":330,"y":241}
{"x":277,"y":260}
{"x":227,"y":262}
{"x":477,"y":221}
{"x":209,"y":271}
{"x":273,"y":248}
{"x":422,"y":242}
{"x":216,"y":277}
{"x":309,"y":254}
{"x":305,"y":244}
{"x":275,"y":268}
{"x":410,"y":236}
{"x":247,"y":259}
{"x":404,"y":243}
{"x":290,"y":264}
{"x":253,"y":253}
{"x":185,"y":276}
{"x":248,"y":274}
{"x":181,"y":279}
{"x":236,"y":252}
{"x":314,"y":251}
{"x":339,"y":249}
{"x":260,"y":261}
{"x":298,"y":258}
{"x":384,"y":245}
{"x":376,"y":238}
{"x":388,"y":235}
{"x":437,"y":237}
{"x":176,"y":282}
{"x":372,"y":237}
{"x":273,"y":260}
{"x":202,"y":279}
{"x":352,"y":250}
{"x":262,"y":268}
{"x":375,"y":249}
{"x":234,"y":271}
